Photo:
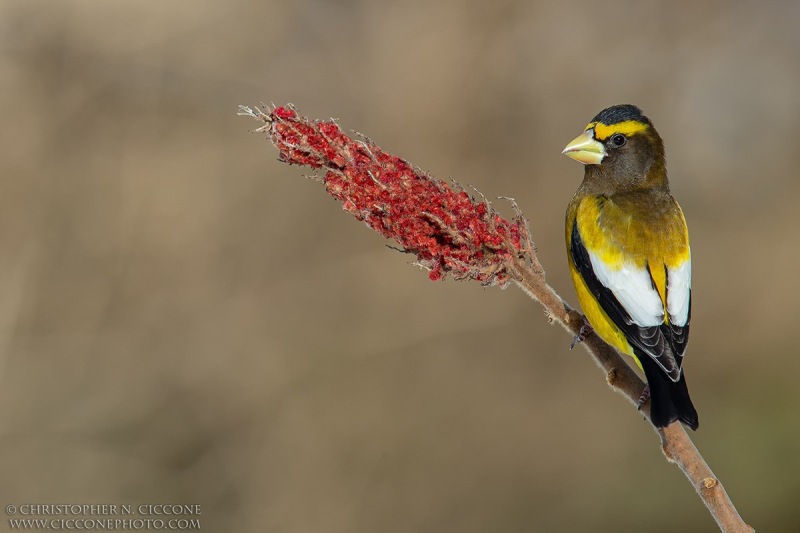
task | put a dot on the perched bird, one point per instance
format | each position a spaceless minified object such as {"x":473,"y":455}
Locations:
{"x":628,"y":251}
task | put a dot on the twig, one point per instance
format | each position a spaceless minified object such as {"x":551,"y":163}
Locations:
{"x":449,"y":232}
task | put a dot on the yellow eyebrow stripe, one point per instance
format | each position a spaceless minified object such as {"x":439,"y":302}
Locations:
{"x":628,"y":128}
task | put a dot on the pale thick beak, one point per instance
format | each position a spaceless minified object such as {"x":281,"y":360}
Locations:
{"x":585,"y":149}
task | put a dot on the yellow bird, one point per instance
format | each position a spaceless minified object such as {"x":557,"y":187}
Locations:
{"x":628,"y":251}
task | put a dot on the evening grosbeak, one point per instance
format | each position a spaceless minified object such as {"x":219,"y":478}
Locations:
{"x":628,"y":251}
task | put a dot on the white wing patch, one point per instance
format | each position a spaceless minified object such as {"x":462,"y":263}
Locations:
{"x":633,"y":288}
{"x":679,"y":285}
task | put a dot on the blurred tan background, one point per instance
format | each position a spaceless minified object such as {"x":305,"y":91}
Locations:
{"x":183,"y":319}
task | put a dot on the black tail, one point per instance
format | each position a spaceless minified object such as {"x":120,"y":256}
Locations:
{"x":669,"y":400}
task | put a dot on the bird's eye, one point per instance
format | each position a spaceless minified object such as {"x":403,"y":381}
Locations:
{"x":618,"y":140}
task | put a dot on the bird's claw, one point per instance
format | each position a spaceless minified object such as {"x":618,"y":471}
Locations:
{"x":644,"y":397}
{"x":585,"y":331}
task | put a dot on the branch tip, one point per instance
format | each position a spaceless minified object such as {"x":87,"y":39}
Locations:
{"x":449,"y":232}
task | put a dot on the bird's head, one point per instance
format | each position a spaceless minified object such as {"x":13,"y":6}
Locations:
{"x":620,"y":144}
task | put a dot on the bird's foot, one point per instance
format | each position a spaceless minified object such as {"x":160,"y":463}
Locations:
{"x":644,"y":397}
{"x":585,"y":331}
